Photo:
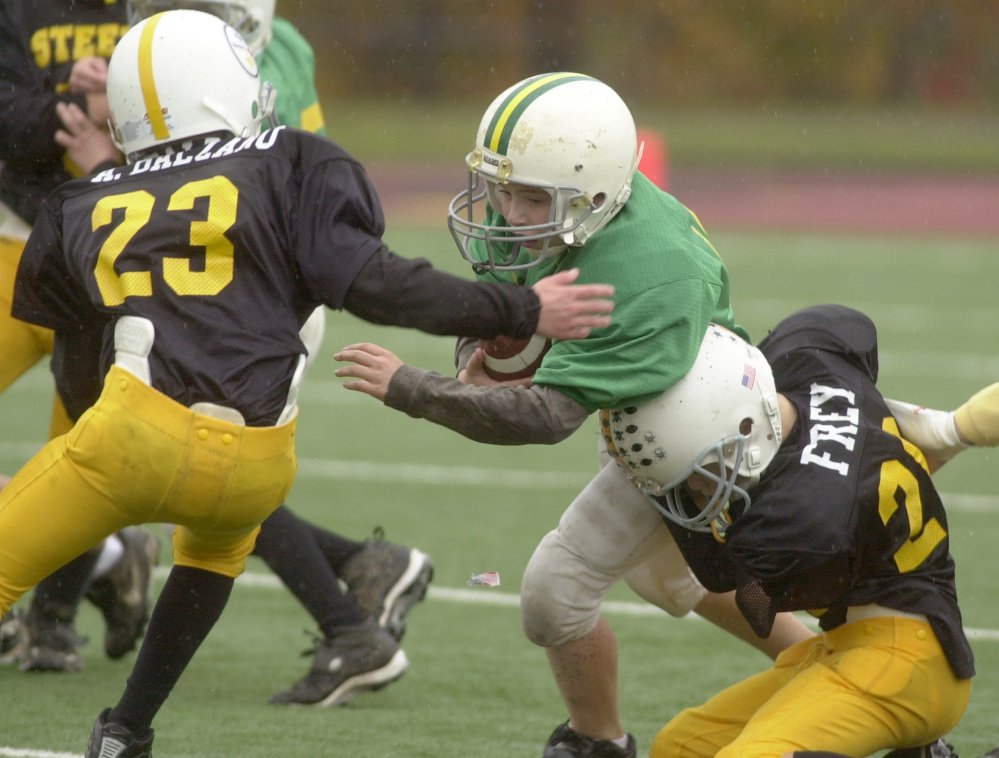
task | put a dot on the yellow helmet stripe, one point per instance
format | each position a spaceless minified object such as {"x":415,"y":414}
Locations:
{"x":508,"y":113}
{"x":146,"y":82}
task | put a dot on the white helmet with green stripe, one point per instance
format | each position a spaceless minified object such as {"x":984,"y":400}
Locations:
{"x":566,"y":133}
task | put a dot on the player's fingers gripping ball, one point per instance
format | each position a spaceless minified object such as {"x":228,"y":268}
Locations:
{"x":506,"y":359}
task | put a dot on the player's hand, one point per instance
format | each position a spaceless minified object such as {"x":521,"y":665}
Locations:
{"x":571,"y":311}
{"x":98,"y":110}
{"x":3,"y":480}
{"x":89,"y":75}
{"x":85,"y":144}
{"x":475,"y":373}
{"x":372,"y":367}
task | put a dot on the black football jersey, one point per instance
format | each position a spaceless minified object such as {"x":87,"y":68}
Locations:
{"x":846,"y":514}
{"x":226,"y":245}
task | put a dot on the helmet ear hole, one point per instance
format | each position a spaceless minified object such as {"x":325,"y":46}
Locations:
{"x":746,"y":426}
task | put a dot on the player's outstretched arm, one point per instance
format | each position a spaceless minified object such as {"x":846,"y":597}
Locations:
{"x":943,"y":434}
{"x":571,"y":311}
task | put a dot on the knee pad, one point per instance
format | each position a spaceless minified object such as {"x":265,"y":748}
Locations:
{"x":560,"y":595}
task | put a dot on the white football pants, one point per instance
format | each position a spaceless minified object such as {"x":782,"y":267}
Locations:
{"x":609,"y":532}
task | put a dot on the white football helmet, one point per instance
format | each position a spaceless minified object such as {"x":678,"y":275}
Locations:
{"x":181,"y":74}
{"x":565,"y":133}
{"x":251,"y":18}
{"x":721,"y":421}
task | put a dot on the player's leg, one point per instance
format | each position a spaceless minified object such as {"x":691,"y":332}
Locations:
{"x":53,"y":643}
{"x":607,"y":530}
{"x":385,"y":579}
{"x":702,"y":731}
{"x":179,"y":625}
{"x":860,"y":688}
{"x":33,"y":545}
{"x":116,"y":575}
{"x":234,"y":477}
{"x":370,"y":657}
{"x":22,"y":345}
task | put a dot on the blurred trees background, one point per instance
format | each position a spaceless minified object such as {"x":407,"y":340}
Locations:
{"x":863,"y":52}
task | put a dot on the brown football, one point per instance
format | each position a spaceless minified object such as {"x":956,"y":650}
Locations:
{"x":508,"y":358}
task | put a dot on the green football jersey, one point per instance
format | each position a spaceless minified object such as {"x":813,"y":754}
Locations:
{"x":669,"y":284}
{"x":289,"y":64}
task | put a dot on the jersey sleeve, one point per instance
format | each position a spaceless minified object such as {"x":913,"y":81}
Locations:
{"x":45,"y":293}
{"x":391,"y":289}
{"x":340,"y":227}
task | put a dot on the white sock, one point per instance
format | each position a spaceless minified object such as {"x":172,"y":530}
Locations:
{"x":111,"y":553}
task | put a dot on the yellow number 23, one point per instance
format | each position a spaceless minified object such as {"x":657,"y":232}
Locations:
{"x":177,"y":273}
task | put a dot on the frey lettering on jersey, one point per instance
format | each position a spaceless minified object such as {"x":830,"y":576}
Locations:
{"x":209,"y":151}
{"x":62,"y":43}
{"x":832,"y":428}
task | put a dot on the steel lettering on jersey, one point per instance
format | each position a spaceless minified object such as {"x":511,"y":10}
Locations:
{"x":832,"y":428}
{"x":62,"y":43}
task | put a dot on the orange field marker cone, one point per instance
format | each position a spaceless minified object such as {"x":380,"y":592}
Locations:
{"x":654,"y":163}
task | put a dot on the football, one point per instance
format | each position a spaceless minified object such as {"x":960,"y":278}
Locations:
{"x":507,"y":358}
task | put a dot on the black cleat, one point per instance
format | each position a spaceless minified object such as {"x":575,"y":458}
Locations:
{"x":111,"y":740}
{"x":52,"y":643}
{"x":387,"y":580}
{"x":13,"y":637}
{"x":362,"y":658}
{"x":124,"y":594}
{"x":566,"y":742}
{"x":938,"y":749}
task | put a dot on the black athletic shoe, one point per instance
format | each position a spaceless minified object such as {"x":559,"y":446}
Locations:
{"x":111,"y":740}
{"x":387,"y":580}
{"x":566,"y":742}
{"x":13,"y":637}
{"x":360,"y":659}
{"x":124,"y":594}
{"x":938,"y":749}
{"x":52,"y":643}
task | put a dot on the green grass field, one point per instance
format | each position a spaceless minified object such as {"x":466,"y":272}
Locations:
{"x":476,"y":687}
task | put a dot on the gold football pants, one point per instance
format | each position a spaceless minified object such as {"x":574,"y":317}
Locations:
{"x":139,"y":457}
{"x":865,"y":686}
{"x":22,"y":345}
